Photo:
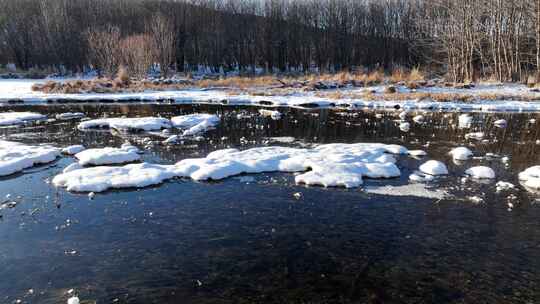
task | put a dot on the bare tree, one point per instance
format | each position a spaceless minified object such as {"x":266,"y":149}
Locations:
{"x":161,"y":30}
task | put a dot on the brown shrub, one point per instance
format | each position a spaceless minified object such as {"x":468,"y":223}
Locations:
{"x":122,"y":76}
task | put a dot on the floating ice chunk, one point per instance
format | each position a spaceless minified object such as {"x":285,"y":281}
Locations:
{"x":475,"y":199}
{"x":396,"y":149}
{"x":129,"y":147}
{"x":461,"y":153}
{"x":17,"y":118}
{"x":72,"y":150}
{"x":417,"y":153}
{"x":106,"y":156}
{"x":73,"y":300}
{"x":331,"y":165}
{"x":72,"y":167}
{"x":475,"y":135}
{"x":15,"y":157}
{"x":531,"y":177}
{"x":418,"y":119}
{"x":403,"y":115}
{"x":421,"y":177}
{"x":465,"y":121}
{"x":275,"y":115}
{"x":501,"y":123}
{"x":194,"y":124}
{"x":127,"y":124}
{"x":172,"y":139}
{"x":70,"y":115}
{"x":434,"y":167}
{"x":481,"y":172}
{"x":282,"y":139}
{"x":503,"y":186}
{"x":405,"y":126}
{"x":415,"y":190}
{"x":99,"y":179}
{"x":188,"y":121}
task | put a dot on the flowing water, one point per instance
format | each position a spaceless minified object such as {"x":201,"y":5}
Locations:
{"x":248,"y":239}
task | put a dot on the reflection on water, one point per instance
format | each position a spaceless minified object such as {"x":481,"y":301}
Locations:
{"x":250,"y":240}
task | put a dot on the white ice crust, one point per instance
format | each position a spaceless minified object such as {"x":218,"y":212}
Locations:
{"x":434,"y":167}
{"x":17,"y":118}
{"x":342,"y":165}
{"x":72,"y":150}
{"x":15,"y":157}
{"x":129,"y":124}
{"x":107,"y":156}
{"x":531,"y":177}
{"x":461,"y":153}
{"x":194,"y":124}
{"x":481,"y":172}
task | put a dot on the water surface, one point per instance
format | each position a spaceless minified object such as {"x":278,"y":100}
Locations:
{"x":247,"y":239}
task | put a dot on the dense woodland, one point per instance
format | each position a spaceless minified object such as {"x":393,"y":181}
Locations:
{"x":462,"y":39}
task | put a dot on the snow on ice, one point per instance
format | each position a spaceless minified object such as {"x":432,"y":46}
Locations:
{"x":18,"y":118}
{"x":461,"y":153}
{"x":15,"y":157}
{"x":72,"y":150}
{"x":342,"y":165}
{"x":127,"y":124}
{"x":194,"y":124}
{"x":481,"y":172}
{"x":107,"y":156}
{"x":434,"y":167}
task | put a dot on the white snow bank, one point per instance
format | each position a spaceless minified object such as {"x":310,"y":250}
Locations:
{"x":416,"y":190}
{"x":461,"y":153}
{"x":15,"y":157}
{"x":129,"y":124}
{"x":308,"y":99}
{"x":107,"y":156}
{"x":194,"y":124}
{"x":72,"y":150}
{"x":434,"y":167}
{"x":70,"y":115}
{"x":17,"y":118}
{"x":531,"y":177}
{"x":330,"y":165}
{"x":481,"y":172}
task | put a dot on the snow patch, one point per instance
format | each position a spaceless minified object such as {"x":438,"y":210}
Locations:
{"x":416,"y":190}
{"x":434,"y":167}
{"x":194,"y":124}
{"x":481,"y":172}
{"x":15,"y":157}
{"x":461,"y":153}
{"x":72,"y":150}
{"x":330,"y":165}
{"x":127,"y":124}
{"x":107,"y":156}
{"x":18,"y":118}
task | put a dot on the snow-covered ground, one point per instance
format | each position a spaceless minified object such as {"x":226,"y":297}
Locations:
{"x":20,"y":91}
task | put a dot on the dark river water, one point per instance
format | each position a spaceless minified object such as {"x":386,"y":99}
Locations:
{"x":249,"y":240}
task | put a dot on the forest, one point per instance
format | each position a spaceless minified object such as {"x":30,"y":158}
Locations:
{"x":463,"y":40}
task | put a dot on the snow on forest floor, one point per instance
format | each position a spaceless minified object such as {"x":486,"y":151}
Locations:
{"x":19,"y":91}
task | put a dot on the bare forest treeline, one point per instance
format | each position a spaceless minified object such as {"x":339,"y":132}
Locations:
{"x":463,"y":39}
